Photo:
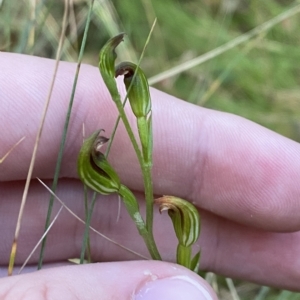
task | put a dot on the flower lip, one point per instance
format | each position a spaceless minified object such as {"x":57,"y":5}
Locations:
{"x":124,"y":69}
{"x":99,"y":142}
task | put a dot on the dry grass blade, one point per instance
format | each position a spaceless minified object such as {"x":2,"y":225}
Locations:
{"x":31,"y":36}
{"x":2,"y":159}
{"x":41,"y":239}
{"x":93,"y":229}
{"x":232,"y":289}
{"x":211,"y":278}
{"x":220,"y":50}
{"x":38,"y":136}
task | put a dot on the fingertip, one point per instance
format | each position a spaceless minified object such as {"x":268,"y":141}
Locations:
{"x":173,"y":288}
{"x":118,"y":280}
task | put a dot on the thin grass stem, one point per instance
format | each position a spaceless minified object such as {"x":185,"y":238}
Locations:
{"x":40,"y":240}
{"x":2,"y":159}
{"x":85,"y":242}
{"x":232,"y":289}
{"x":36,"y":144}
{"x":66,"y":125}
{"x":86,"y":213}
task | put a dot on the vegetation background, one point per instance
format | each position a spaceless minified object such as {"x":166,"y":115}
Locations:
{"x":259,"y":79}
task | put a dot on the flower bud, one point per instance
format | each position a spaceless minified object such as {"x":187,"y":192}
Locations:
{"x":93,"y":168}
{"x":185,"y":218}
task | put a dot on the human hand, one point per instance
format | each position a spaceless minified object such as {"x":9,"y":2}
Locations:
{"x":241,"y":176}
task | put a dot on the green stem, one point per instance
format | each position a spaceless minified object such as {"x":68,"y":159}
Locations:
{"x":87,"y":228}
{"x":184,"y":255}
{"x":129,"y":130}
{"x":86,"y":212}
{"x":145,"y":132}
{"x":146,"y":171}
{"x":147,"y":176}
{"x":133,"y":210}
{"x":113,"y":133}
{"x":146,"y":166}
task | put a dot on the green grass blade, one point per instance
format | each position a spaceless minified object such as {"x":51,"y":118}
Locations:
{"x":66,"y":125}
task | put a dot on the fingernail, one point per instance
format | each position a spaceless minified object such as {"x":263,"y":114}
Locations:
{"x":173,"y":288}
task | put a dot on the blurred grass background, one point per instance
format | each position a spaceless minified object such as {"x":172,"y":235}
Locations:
{"x":258,"y":79}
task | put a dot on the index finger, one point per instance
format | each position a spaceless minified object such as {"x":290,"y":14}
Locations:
{"x":223,"y":163}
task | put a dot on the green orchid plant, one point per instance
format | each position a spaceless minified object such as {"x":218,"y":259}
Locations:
{"x":96,"y":173}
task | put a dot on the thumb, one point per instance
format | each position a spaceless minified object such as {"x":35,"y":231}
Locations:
{"x":134,"y":280}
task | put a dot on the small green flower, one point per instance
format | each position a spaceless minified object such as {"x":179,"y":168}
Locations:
{"x":93,"y":168}
{"x":186,"y":223}
{"x":139,"y":97}
{"x":137,"y":88}
{"x":185,"y":218}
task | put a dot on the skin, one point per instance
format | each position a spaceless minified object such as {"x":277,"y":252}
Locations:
{"x":243,"y":178}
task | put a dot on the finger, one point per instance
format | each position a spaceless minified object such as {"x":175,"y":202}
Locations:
{"x":223,"y":163}
{"x":66,"y":235}
{"x":127,"y":280}
{"x":238,"y":251}
{"x":225,"y":246}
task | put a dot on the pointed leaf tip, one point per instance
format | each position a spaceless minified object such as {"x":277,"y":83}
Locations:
{"x":107,"y":57}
